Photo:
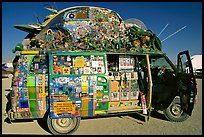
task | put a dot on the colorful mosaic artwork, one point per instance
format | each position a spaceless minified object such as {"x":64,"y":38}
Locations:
{"x":55,"y":71}
{"x":29,"y":94}
{"x":91,"y":28}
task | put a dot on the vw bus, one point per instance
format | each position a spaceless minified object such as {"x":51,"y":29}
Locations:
{"x":87,"y":62}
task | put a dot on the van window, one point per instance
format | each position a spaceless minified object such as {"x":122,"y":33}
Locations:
{"x":161,"y":70}
{"x":66,"y":64}
{"x":160,"y":62}
{"x":39,"y":65}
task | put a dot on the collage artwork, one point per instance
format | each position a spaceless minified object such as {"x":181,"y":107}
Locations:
{"x":91,"y":28}
{"x":79,"y":84}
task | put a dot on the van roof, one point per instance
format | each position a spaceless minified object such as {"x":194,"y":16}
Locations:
{"x":31,"y":52}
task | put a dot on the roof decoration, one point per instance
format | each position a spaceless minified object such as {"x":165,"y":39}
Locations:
{"x":88,"y":29}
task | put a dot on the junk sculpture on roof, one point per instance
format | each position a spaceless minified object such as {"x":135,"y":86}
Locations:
{"x":87,"y":28}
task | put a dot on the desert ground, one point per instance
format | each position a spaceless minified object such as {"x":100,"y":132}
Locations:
{"x":132,"y":124}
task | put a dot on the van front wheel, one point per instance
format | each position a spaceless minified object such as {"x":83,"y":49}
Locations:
{"x":175,"y":112}
{"x":63,"y":126}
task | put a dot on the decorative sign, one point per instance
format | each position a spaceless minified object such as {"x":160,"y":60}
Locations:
{"x":62,"y":107}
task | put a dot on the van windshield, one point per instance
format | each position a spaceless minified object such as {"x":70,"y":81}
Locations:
{"x":162,"y":70}
{"x":160,"y":62}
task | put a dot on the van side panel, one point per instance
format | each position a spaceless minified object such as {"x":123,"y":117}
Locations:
{"x":28,"y":98}
{"x":78,"y":84}
{"x":19,"y":97}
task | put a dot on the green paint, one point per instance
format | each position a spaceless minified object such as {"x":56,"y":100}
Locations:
{"x":31,"y":81}
{"x":32,"y":96}
{"x":32,"y":93}
{"x":33,"y":108}
{"x":102,"y":106}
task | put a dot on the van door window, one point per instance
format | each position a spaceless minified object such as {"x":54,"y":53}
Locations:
{"x":186,"y":82}
{"x":162,"y":71}
{"x":164,"y":80}
{"x":39,"y":65}
{"x":66,"y":64}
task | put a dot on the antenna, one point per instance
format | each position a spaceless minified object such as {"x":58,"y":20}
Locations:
{"x":38,"y":21}
{"x":162,"y":30}
{"x":173,"y":34}
{"x":46,"y":5}
{"x":55,"y":5}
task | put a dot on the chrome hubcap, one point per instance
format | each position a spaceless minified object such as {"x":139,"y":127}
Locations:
{"x":176,"y":110}
{"x":63,"y":125}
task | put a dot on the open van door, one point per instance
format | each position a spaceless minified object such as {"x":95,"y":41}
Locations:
{"x":186,"y":82}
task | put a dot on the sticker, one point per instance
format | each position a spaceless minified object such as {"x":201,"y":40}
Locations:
{"x":105,"y":98}
{"x":114,"y":104}
{"x":91,"y":94}
{"x":128,"y":76}
{"x":77,"y":95}
{"x":99,"y":94}
{"x":114,"y":86}
{"x":68,"y":58}
{"x":40,"y":105}
{"x":125,"y":96}
{"x":78,"y":89}
{"x":66,"y":70}
{"x":115,"y":96}
{"x":85,"y":89}
{"x":87,"y":63}
{"x":62,"y":80}
{"x":79,"y":62}
{"x":61,"y":107}
{"x":22,"y":109}
{"x":86,"y":70}
{"x":78,"y":101}
{"x":95,"y":64}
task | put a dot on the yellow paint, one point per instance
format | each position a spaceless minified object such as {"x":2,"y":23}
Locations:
{"x":66,"y":70}
{"x":113,"y":104}
{"x":43,"y":95}
{"x":31,"y":89}
{"x":122,"y":84}
{"x":61,"y":107}
{"x":70,"y":23}
{"x":84,"y":77}
{"x":84,"y":84}
{"x":79,"y":62}
{"x":99,"y":94}
{"x":43,"y":84}
{"x":61,"y":68}
{"x":100,"y":112}
{"x":16,"y":73}
{"x":18,"y":114}
{"x":30,"y":52}
{"x":85,"y":106}
{"x":84,"y":89}
{"x":84,"y":113}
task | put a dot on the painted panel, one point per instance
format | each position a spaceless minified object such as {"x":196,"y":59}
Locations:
{"x":29,"y":97}
{"x":92,"y":28}
{"x":78,"y":87}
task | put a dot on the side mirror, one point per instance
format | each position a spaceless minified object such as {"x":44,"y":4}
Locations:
{"x":10,"y":75}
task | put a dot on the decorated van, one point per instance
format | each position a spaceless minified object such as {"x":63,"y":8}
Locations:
{"x":87,"y":62}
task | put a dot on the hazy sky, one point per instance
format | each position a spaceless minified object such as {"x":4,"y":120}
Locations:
{"x":155,"y":15}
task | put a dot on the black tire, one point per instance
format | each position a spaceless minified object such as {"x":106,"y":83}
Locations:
{"x":42,"y":122}
{"x":63,"y":126}
{"x":174,"y":112}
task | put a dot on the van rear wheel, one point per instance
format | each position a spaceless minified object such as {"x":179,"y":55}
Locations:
{"x":175,"y":112}
{"x":63,"y":126}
